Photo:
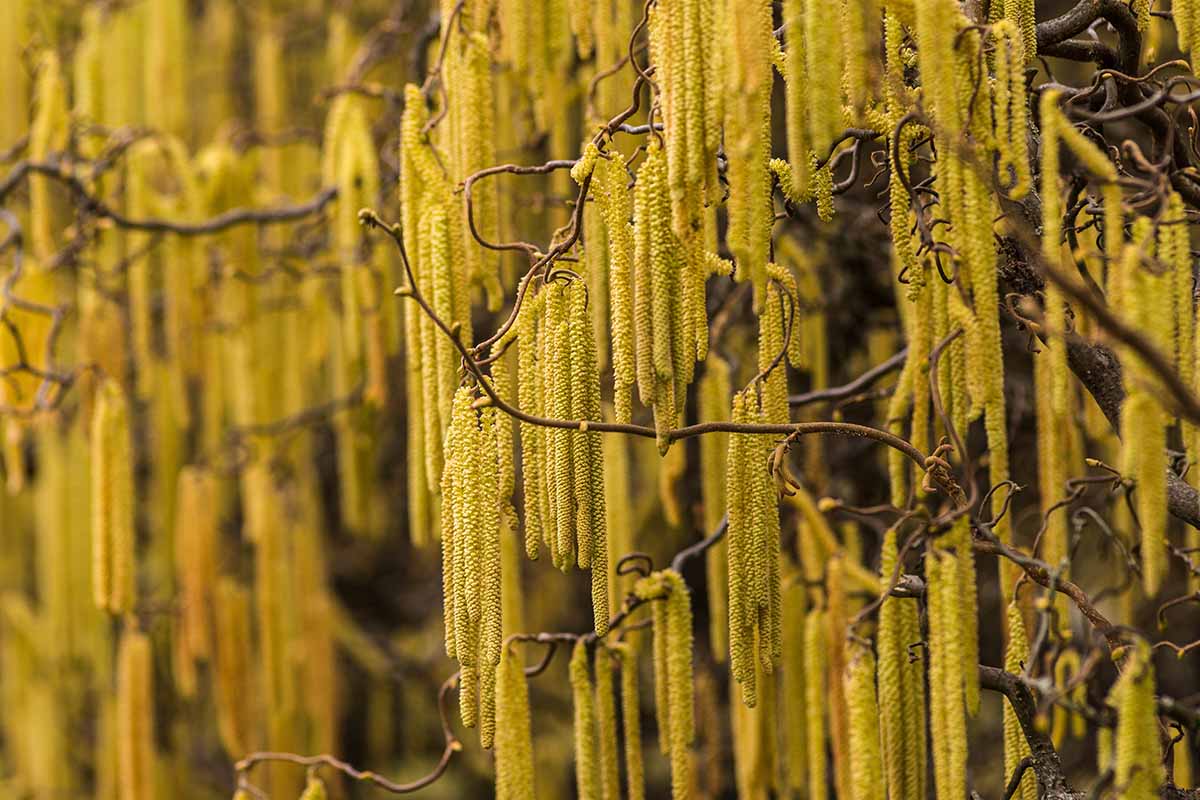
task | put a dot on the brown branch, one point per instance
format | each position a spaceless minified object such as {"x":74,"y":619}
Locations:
{"x":217,"y":224}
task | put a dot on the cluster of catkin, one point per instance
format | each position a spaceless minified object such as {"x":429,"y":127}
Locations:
{"x":562,"y":466}
{"x":471,"y":564}
{"x":753,"y":550}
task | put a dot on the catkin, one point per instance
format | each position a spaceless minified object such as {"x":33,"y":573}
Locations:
{"x":514,"y":738}
{"x":748,"y":81}
{"x":795,"y":609}
{"x":314,"y":789}
{"x":866,"y":776}
{"x":713,"y":398}
{"x":587,"y":785}
{"x":196,"y":548}
{"x":135,"y":717}
{"x":631,"y":720}
{"x":1016,"y":746}
{"x":233,"y":669}
{"x":1138,"y":770}
{"x":674,"y":687}
{"x":612,"y":193}
{"x":1008,"y":104}
{"x":113,"y":576}
{"x":816,"y":701}
{"x":606,"y":727}
{"x":901,"y":687}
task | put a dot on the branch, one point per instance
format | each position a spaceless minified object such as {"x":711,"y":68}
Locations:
{"x":217,"y":224}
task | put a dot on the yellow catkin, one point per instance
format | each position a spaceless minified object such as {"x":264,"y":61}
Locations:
{"x":795,"y":609}
{"x":748,"y":80}
{"x":967,"y":609}
{"x":1138,"y":770}
{"x":1022,"y":12}
{"x":1008,"y":102}
{"x":635,"y":787}
{"x":713,"y":398}
{"x":47,"y":137}
{"x":742,"y":616}
{"x":682,"y":47}
{"x":823,"y":59}
{"x":816,"y":702}
{"x":135,"y":717}
{"x":606,"y":727}
{"x":491,"y":614}
{"x":1143,"y":420}
{"x":866,"y":775}
{"x":673,"y":670}
{"x":234,"y":664}
{"x":113,"y":560}
{"x":610,"y":184}
{"x":514,"y":738}
{"x":196,"y":547}
{"x":1065,"y":668}
{"x":946,"y":699}
{"x":1183,"y":775}
{"x":530,"y":395}
{"x":901,"y":687}
{"x":587,"y":784}
{"x":1016,"y":746}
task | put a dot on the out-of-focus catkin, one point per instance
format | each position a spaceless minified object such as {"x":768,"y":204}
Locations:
{"x":135,"y":717}
{"x":113,"y":560}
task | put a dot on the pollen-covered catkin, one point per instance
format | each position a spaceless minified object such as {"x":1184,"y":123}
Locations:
{"x":1138,"y":768}
{"x":673,"y":670}
{"x":866,"y":776}
{"x":606,"y":727}
{"x":1009,"y":110}
{"x":1016,"y":746}
{"x":635,"y":782}
{"x":795,"y":733}
{"x":610,"y":184}
{"x":587,"y":784}
{"x":514,"y":737}
{"x":901,"y":687}
{"x":113,"y":557}
{"x":748,"y":80}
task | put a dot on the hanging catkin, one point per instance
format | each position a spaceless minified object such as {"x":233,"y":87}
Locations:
{"x":673,"y":667}
{"x":1138,"y":771}
{"x":1143,"y":419}
{"x":610,"y":185}
{"x":631,"y":720}
{"x":665,"y":348}
{"x":866,"y":775}
{"x":946,"y":702}
{"x":816,"y":702}
{"x":472,"y":580}
{"x":606,"y":727}
{"x":1009,"y":110}
{"x":901,"y":687}
{"x":135,"y":717}
{"x":587,"y":783}
{"x":795,"y":733}
{"x":753,"y":550}
{"x":748,"y":81}
{"x":1016,"y":746}
{"x":682,"y":43}
{"x":196,"y":548}
{"x":233,"y":669}
{"x":113,"y":567}
{"x":514,"y":738}
{"x":713,"y":398}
